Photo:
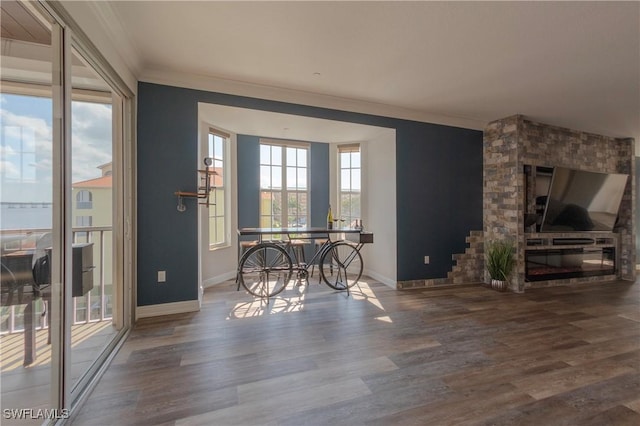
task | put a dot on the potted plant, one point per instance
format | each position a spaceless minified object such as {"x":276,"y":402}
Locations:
{"x":500,"y":262}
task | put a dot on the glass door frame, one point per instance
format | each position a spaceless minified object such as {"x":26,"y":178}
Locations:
{"x":67,"y":37}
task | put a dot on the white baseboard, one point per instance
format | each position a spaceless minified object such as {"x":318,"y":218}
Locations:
{"x":384,"y":280}
{"x":167,"y":309}
{"x":218,"y":279}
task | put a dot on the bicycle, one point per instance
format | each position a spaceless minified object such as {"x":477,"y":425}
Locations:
{"x":266,"y":269}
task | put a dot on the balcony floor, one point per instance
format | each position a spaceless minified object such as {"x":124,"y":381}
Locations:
{"x":29,"y":387}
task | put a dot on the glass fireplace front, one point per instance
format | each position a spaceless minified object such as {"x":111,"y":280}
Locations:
{"x":559,"y":263}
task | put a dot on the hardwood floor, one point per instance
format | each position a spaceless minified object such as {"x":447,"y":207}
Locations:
{"x":457,"y":356}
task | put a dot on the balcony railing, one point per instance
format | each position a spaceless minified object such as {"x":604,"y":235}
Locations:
{"x":95,"y":305}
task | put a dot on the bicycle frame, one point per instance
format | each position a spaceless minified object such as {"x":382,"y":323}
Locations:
{"x":341,"y":255}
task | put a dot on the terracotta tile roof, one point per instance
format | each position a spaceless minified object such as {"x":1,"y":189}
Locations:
{"x":101,"y":182}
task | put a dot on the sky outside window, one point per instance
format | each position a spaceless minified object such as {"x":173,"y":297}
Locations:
{"x":26,"y":145}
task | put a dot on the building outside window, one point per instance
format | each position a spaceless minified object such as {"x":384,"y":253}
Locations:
{"x":284,"y":188}
{"x":217,"y":215}
{"x":350,"y":183}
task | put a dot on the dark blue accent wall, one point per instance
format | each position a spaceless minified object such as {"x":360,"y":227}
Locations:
{"x":248,"y":180}
{"x":319,"y":183}
{"x":438,"y":174}
{"x":167,"y":157}
{"x":439,"y":196}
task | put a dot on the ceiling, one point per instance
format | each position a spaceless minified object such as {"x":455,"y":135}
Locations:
{"x":19,"y":24}
{"x":572,"y":64}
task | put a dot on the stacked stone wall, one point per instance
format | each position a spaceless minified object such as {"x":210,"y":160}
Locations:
{"x":469,"y":265}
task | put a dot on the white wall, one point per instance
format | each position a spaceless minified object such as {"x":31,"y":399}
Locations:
{"x":378,"y":156}
{"x":379,"y":207}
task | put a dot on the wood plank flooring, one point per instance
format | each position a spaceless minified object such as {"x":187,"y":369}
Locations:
{"x":456,"y":356}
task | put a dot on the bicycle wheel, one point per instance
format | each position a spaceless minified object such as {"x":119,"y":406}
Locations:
{"x":341,"y":266}
{"x":265,"y":270}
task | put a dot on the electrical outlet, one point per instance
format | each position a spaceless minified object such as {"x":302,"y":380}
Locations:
{"x":426,"y":260}
{"x":162,"y":276}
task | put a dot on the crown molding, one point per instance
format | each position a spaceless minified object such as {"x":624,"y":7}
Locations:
{"x":112,"y":25}
{"x":239,"y":88}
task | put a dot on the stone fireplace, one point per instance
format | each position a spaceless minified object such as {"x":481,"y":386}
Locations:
{"x":514,"y":149}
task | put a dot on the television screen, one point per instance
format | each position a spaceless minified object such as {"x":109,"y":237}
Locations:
{"x":579,"y":200}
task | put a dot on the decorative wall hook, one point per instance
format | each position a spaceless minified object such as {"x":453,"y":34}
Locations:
{"x":204,"y":190}
{"x":181,"y":206}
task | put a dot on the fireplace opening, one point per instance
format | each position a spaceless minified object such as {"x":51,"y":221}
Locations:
{"x":553,"y":264}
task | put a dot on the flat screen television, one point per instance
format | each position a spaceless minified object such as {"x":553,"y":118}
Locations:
{"x":579,"y":200}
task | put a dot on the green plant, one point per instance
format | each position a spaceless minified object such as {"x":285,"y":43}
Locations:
{"x":499,"y":260}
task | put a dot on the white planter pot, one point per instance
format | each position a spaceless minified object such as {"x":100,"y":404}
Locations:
{"x":499,"y":285}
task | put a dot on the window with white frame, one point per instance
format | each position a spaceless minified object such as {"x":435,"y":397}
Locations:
{"x":350,"y":183}
{"x":84,"y":199}
{"x":218,"y":221}
{"x":284,"y":188}
{"x":84,"y":221}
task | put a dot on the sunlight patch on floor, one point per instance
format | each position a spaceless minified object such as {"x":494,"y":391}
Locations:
{"x":292,"y":299}
{"x":275,"y":305}
{"x":362,"y":291}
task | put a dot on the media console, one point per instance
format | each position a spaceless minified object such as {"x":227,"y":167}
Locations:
{"x":562,"y":256}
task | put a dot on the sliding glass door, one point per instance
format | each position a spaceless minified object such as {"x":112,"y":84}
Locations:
{"x":64,"y":305}
{"x":92,"y":323}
